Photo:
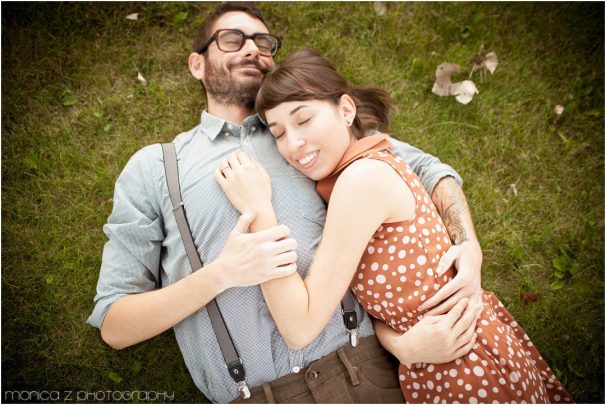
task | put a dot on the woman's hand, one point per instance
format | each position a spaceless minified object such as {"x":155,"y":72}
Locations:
{"x":245,"y":182}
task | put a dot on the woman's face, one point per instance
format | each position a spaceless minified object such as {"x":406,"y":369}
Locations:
{"x":312,"y":135}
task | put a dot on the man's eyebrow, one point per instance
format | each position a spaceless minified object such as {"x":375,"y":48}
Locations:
{"x":294,"y":110}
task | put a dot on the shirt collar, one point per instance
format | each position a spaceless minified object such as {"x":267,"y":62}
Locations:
{"x":213,"y":126}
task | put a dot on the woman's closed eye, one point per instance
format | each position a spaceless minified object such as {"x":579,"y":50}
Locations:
{"x":305,"y":121}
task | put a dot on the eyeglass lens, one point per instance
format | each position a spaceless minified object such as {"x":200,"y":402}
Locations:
{"x":231,"y":41}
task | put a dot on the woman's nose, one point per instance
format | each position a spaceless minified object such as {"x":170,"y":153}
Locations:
{"x":295,"y":142}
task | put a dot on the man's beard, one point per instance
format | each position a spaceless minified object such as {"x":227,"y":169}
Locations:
{"x":219,"y":84}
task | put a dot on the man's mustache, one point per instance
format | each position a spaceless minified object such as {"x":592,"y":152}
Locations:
{"x":253,"y":63}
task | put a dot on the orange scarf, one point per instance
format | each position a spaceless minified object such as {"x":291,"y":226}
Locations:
{"x":358,"y":150}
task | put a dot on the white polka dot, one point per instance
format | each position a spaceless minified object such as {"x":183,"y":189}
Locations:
{"x":391,"y":249}
{"x":514,"y":377}
{"x":402,"y":269}
{"x":377,"y":308}
{"x":401,"y":254}
{"x":473,"y":400}
{"x":402,"y":377}
{"x":406,"y":239}
{"x":430,"y":384}
{"x":374,"y":266}
{"x":479,"y":371}
{"x":389,"y":295}
{"x":468,"y":387}
{"x":360,"y":287}
{"x":381,"y":279}
{"x":421,"y":260}
{"x":460,"y":381}
{"x":371,"y":250}
{"x":415,"y":394}
{"x":421,"y":220}
{"x":482,"y":393}
{"x":412,"y":229}
{"x":473,"y":356}
{"x":425,"y":232}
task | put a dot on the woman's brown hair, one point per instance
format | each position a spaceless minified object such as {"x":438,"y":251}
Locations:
{"x":306,"y":75}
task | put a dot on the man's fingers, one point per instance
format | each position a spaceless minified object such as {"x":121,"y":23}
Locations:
{"x":273,"y":234}
{"x":455,"y":312}
{"x":446,"y":291}
{"x":284,"y":259}
{"x":282,"y":271}
{"x":244,"y":159}
{"x":284,"y":245}
{"x":448,"y":259}
{"x":446,"y":305}
{"x":463,"y":350}
{"x":468,"y":319}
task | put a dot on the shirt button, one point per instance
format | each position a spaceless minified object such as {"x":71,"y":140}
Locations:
{"x":313,"y":374}
{"x":296,"y":369}
{"x":253,"y":129}
{"x":226,"y":133}
{"x":229,"y":126}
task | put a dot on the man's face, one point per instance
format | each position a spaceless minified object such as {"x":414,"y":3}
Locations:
{"x":234,"y":78}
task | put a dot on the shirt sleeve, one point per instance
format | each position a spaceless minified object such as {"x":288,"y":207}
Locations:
{"x":428,"y":167}
{"x":131,"y":256}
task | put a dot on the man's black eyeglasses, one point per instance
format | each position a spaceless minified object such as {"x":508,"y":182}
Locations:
{"x":232,"y":40}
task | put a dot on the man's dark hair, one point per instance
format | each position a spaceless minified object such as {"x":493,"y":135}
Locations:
{"x":205,"y":30}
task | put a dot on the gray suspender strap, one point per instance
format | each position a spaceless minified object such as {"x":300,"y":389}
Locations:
{"x":230,"y":355}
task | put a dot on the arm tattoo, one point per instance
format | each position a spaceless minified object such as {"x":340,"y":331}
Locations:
{"x":452,"y":207}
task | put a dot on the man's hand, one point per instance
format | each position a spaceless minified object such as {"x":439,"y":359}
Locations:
{"x":434,"y":339}
{"x":254,"y":258}
{"x":467,"y":258}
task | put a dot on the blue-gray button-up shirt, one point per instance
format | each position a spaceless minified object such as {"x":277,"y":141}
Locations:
{"x":145,"y":249}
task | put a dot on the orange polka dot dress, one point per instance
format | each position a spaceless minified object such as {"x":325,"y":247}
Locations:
{"x":396,"y":275}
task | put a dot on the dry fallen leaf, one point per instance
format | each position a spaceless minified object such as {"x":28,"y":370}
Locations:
{"x":380,"y":7}
{"x":491,"y":61}
{"x":480,"y":62}
{"x":141,"y":79}
{"x":464,"y":91}
{"x":557,"y":113}
{"x":513,"y":189}
{"x":133,"y":17}
{"x":441,"y":87}
{"x":529,"y":297}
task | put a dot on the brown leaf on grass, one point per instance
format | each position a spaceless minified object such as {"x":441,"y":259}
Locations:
{"x":133,"y":17}
{"x":529,"y":297}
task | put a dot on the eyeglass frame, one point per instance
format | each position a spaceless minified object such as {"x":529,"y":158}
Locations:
{"x":215,"y":37}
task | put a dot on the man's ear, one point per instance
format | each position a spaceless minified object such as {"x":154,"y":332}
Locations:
{"x":347,"y":107}
{"x":196,"y":65}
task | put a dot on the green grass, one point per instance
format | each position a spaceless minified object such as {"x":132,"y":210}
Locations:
{"x":59,"y":162}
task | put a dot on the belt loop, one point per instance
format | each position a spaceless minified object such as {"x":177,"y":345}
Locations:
{"x":350,"y":368}
{"x":269,"y":394}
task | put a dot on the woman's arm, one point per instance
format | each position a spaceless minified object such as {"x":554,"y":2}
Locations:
{"x":358,"y":206}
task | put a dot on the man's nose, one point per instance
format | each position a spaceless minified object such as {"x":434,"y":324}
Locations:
{"x":250,"y":48}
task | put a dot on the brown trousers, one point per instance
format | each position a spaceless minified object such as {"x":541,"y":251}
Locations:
{"x":366,"y":373}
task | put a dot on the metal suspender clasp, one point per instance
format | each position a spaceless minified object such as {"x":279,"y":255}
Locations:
{"x":236,"y":371}
{"x":243,"y":388}
{"x":351,"y":323}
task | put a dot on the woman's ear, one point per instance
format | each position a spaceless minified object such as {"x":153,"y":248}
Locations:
{"x":196,"y":65}
{"x":347,"y":107}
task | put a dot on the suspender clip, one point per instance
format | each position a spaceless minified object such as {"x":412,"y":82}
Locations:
{"x":236,"y":371}
{"x":350,"y":318}
{"x":243,"y":388}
